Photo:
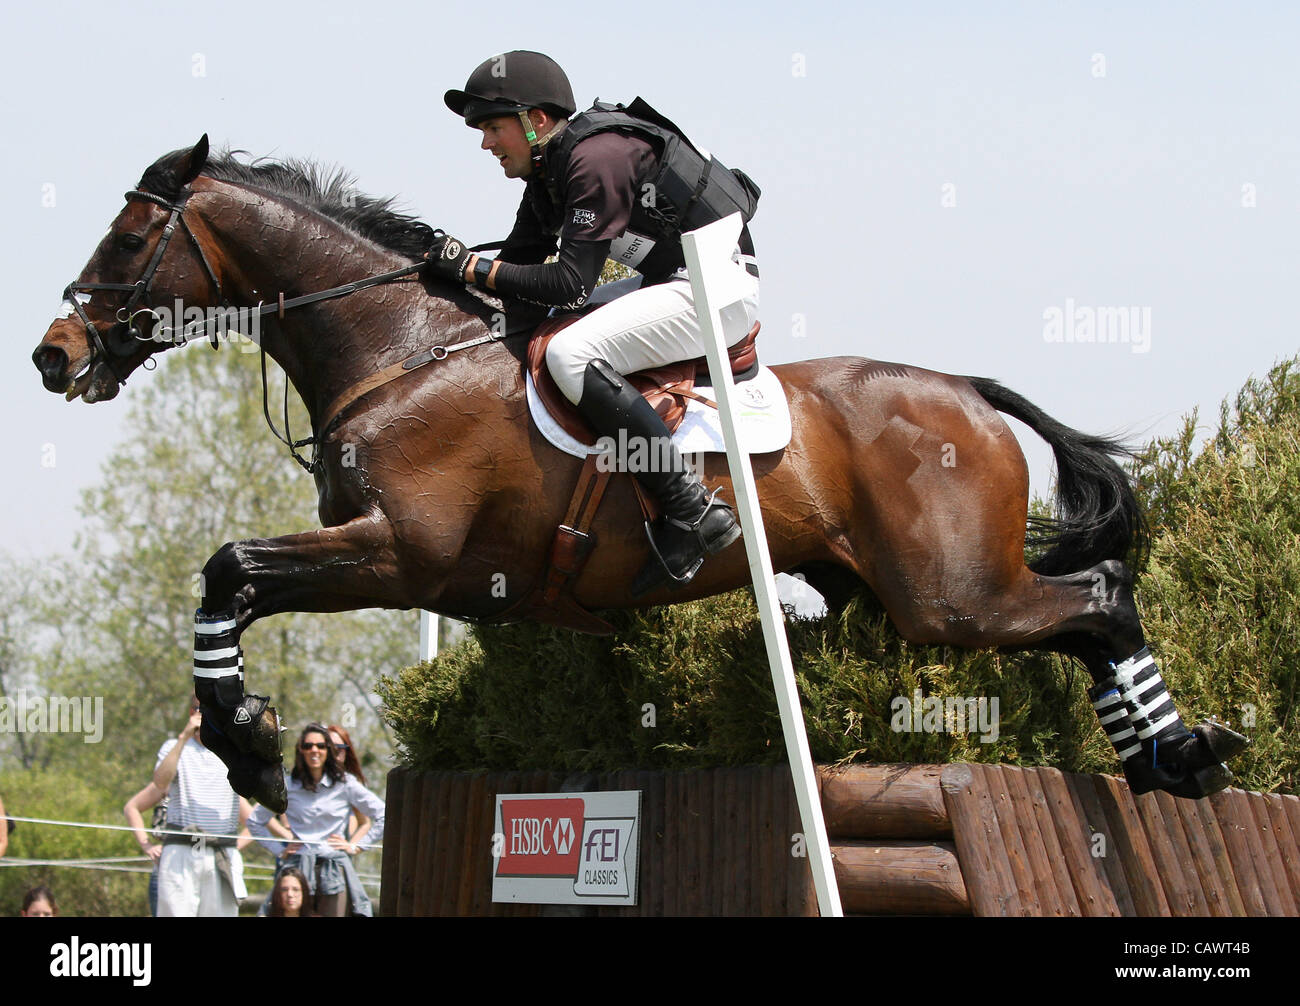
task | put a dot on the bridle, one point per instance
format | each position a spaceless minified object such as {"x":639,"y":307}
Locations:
{"x":123,"y":337}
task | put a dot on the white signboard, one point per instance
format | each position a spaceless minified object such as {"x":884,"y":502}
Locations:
{"x":566,"y":848}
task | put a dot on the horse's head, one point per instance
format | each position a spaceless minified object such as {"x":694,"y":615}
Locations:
{"x":108,"y":326}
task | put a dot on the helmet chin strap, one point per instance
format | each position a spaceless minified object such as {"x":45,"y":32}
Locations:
{"x":536,"y":143}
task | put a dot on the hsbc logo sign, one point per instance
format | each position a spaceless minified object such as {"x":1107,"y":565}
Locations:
{"x":567,"y":848}
{"x":540,"y":836}
{"x":531,"y":836}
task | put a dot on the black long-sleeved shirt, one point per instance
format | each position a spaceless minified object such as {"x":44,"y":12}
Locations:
{"x":606,"y":172}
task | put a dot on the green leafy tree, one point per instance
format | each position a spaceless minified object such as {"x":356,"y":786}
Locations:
{"x":114,"y":620}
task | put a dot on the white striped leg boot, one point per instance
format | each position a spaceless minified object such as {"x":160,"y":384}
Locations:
{"x":249,"y":722}
{"x":1186,"y":763}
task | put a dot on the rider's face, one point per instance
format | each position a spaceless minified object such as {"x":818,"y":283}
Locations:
{"x":504,"y":138}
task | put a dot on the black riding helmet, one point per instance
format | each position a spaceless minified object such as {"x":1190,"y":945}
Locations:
{"x":511,"y":83}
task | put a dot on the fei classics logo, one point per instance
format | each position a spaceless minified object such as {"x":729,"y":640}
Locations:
{"x":566,"y":849}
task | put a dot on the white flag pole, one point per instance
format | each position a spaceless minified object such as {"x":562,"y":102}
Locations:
{"x":428,"y":636}
{"x":708,"y":254}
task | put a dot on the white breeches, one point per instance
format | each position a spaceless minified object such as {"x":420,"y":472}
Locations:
{"x":644,"y":328}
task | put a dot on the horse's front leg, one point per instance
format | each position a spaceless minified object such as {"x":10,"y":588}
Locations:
{"x":334,"y":569}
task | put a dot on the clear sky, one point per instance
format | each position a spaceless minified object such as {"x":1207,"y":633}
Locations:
{"x":939,"y":181}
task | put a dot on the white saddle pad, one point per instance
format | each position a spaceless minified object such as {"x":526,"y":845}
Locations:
{"x":764,"y":420}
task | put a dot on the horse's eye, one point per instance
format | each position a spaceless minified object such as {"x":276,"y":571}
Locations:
{"x":130,"y":242}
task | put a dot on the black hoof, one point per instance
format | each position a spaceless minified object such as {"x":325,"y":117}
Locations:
{"x":1190,"y":785}
{"x":254,"y":726}
{"x":1222,"y":742}
{"x":260,"y":780}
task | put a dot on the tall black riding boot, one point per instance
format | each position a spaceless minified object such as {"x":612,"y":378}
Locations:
{"x":694,"y":523}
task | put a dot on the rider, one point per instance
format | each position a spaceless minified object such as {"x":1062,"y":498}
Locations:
{"x":620,"y":184}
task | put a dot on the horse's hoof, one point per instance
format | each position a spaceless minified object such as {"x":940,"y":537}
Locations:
{"x":255,"y":728}
{"x":261,"y":781}
{"x":1143,"y":778}
{"x":1222,"y":742}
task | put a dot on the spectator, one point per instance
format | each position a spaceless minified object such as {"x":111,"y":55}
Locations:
{"x":321,"y":796}
{"x":289,"y":896}
{"x":344,"y":753}
{"x":150,"y":796}
{"x":349,"y":761}
{"x":198,"y":876}
{"x":38,"y":903}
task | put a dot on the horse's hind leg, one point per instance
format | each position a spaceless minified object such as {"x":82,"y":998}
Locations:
{"x":1090,"y":615}
{"x":333,"y":569}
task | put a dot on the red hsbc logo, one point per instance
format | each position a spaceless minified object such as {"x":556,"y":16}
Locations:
{"x":541,"y":837}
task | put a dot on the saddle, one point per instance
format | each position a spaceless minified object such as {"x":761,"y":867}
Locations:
{"x":665,"y":387}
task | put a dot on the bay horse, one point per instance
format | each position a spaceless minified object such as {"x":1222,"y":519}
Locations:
{"x":436,"y":490}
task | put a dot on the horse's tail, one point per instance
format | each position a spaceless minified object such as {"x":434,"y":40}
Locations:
{"x":1098,"y":516}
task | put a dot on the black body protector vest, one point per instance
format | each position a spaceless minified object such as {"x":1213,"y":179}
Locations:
{"x":688,"y":190}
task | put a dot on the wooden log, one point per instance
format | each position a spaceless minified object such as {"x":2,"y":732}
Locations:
{"x":900,"y":877}
{"x":450,"y":844}
{"x":430,"y":828}
{"x":391,"y":862}
{"x":674,"y":879}
{"x":1131,"y":846}
{"x":1091,"y":888}
{"x":1218,"y":901}
{"x":1213,"y":834}
{"x":1005,"y":813}
{"x":727,"y":873}
{"x":771,"y":857}
{"x":1169,"y":869}
{"x":650,"y":893}
{"x":884,"y":801}
{"x":701,"y":844}
{"x":1049,"y":900}
{"x":1090,"y":884}
{"x":476,"y":880}
{"x":1268,"y":858}
{"x":505,"y":784}
{"x":1243,"y":863}
{"x":1199,"y":904}
{"x":1288,"y":841}
{"x":978,"y":840}
{"x":409,"y":844}
{"x":803,"y":889}
{"x":1094,"y":818}
{"x":1056,"y":860}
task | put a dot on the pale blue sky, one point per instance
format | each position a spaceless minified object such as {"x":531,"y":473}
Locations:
{"x":1096,"y":156}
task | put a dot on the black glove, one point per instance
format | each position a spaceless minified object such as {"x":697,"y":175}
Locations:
{"x":447,"y":258}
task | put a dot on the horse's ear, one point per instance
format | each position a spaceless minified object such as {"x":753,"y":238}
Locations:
{"x":192,"y":163}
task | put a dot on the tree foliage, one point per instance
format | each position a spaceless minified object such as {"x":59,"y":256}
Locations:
{"x":114,"y":619}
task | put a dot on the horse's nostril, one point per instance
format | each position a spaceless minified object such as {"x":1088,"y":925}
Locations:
{"x":52,"y":362}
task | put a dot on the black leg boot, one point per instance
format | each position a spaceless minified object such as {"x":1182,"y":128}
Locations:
{"x":242,"y":730}
{"x":694,"y":523}
{"x":1161,"y":752}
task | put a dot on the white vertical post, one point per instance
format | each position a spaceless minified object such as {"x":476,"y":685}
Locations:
{"x":713,"y":281}
{"x":428,"y":636}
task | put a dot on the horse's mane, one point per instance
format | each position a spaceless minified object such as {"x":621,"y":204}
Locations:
{"x":331,"y":192}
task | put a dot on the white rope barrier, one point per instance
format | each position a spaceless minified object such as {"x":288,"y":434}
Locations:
{"x":166,"y":831}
